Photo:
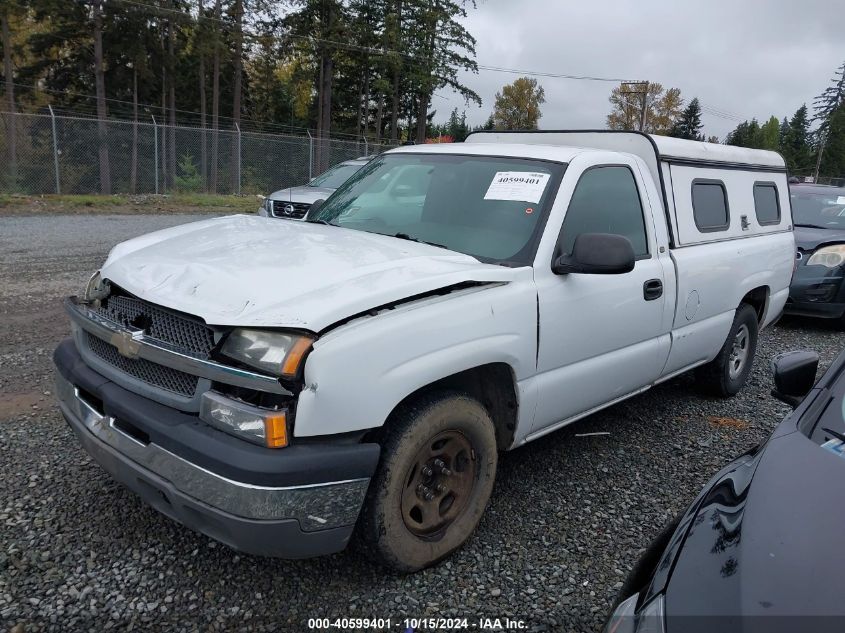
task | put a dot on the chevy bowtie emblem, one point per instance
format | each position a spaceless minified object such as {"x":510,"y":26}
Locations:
{"x":126,"y":343}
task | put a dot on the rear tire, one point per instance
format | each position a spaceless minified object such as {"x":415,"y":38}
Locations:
{"x":726,"y":374}
{"x":433,"y":482}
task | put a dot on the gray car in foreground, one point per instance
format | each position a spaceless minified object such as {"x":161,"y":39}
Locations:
{"x":293,"y":203}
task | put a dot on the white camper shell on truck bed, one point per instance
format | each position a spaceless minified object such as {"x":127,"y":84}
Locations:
{"x":276,"y":384}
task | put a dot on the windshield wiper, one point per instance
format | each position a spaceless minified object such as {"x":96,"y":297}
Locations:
{"x":811,"y":226}
{"x":405,"y":236}
{"x":310,"y":221}
{"x":836,"y":434}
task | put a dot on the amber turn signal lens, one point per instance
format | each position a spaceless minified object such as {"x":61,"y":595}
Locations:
{"x":294,"y":357}
{"x":276,"y":430}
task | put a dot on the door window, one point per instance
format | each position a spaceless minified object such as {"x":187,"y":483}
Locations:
{"x":606,"y":200}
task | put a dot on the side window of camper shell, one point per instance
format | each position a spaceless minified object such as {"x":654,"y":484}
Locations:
{"x":710,"y":205}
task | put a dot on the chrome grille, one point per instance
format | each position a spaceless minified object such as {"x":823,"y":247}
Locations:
{"x":294,"y":210}
{"x":154,"y":374}
{"x":188,"y":333}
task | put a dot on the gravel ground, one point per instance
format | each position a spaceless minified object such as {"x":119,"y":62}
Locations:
{"x":567,"y":520}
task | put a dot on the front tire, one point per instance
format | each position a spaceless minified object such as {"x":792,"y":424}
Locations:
{"x":726,"y":374}
{"x":433,"y":482}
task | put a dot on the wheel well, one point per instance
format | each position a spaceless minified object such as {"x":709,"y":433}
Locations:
{"x":494,"y":386}
{"x":757,"y":299}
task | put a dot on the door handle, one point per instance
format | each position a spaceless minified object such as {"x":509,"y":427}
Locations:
{"x":652,"y":289}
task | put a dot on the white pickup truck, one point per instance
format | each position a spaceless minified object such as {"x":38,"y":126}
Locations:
{"x":276,"y":385}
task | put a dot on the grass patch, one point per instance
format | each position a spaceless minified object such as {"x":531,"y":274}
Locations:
{"x":14,"y":204}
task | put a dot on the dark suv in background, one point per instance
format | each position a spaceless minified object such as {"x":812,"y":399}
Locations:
{"x":818,"y":212}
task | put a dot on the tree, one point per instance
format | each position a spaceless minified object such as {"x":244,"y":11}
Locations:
{"x":441,"y":48}
{"x":751,"y":134}
{"x":832,"y":161}
{"x":455,"y":128}
{"x":200,"y":46}
{"x":829,"y":103}
{"x":796,"y":149}
{"x":783,"y":132}
{"x":100,"y":87}
{"x":487,"y":126}
{"x":215,"y":92}
{"x":770,"y":134}
{"x":689,"y":124}
{"x":662,"y":107}
{"x":831,"y":98}
{"x":9,"y":86}
{"x":237,"y":80}
{"x":517,"y":106}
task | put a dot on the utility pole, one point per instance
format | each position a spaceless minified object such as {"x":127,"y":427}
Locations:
{"x":638,"y":89}
{"x":822,"y":142}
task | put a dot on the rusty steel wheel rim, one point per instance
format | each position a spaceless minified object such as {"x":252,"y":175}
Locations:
{"x":439,"y":483}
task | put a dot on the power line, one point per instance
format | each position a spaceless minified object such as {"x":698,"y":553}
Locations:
{"x":537,"y":73}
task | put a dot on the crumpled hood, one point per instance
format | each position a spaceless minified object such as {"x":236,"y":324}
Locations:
{"x":303,"y":193}
{"x":253,"y":271}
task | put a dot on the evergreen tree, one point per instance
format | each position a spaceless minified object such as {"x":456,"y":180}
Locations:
{"x":747,"y":134}
{"x":783,"y":133}
{"x":796,"y":148}
{"x":769,"y":134}
{"x":689,"y":124}
{"x":831,"y":99}
{"x":441,"y":47}
{"x":487,"y":126}
{"x":833,"y":156}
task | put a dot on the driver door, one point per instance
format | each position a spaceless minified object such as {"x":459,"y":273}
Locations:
{"x":600,"y":334}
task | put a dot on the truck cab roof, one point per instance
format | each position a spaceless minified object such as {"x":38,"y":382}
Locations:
{"x":557,"y":153}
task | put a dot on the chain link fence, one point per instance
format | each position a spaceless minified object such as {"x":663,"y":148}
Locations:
{"x":44,"y":153}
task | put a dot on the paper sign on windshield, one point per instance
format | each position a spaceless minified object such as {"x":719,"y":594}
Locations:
{"x":525,"y":186}
{"x":840,"y":200}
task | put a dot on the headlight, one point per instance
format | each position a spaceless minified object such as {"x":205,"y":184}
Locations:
{"x":830,"y":256}
{"x":260,"y":426}
{"x":650,"y":619}
{"x":275,"y":353}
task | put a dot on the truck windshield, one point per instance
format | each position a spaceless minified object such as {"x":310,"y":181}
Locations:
{"x":823,"y":209}
{"x":489,"y":207}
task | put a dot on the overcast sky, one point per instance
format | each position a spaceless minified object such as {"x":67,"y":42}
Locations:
{"x":749,"y":58}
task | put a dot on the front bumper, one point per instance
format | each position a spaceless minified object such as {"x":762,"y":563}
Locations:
{"x":289,"y":513}
{"x":816,"y":291}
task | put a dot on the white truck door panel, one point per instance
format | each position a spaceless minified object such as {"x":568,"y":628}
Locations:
{"x":600,"y":339}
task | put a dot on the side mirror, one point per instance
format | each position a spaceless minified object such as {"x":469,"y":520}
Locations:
{"x":597,"y":254}
{"x":795,"y":375}
{"x":315,"y":206}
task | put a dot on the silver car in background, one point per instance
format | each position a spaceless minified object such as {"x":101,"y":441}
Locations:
{"x":293,"y":203}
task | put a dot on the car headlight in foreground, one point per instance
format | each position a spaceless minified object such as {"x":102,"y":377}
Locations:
{"x":829,"y":256}
{"x":650,"y":619}
{"x":275,"y":353}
